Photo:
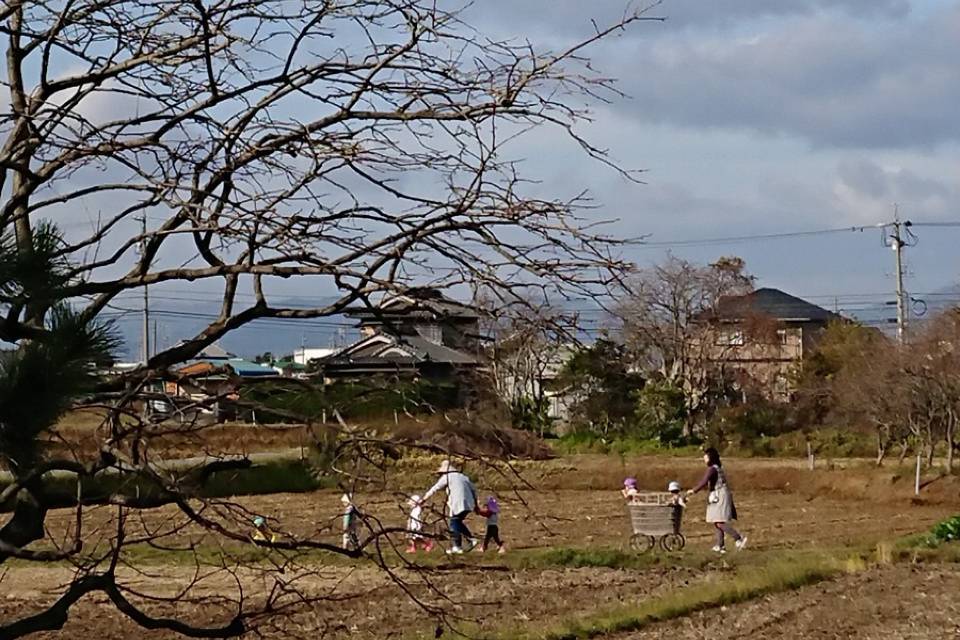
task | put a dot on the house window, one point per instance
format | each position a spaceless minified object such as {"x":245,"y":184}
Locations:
{"x":782,"y":387}
{"x":782,"y":336}
{"x":730,"y":339}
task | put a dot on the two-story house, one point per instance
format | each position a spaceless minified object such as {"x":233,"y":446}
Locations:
{"x":764,"y":334}
{"x":421,"y":333}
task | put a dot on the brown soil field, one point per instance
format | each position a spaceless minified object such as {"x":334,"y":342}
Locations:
{"x":781,"y":508}
{"x":890,"y":603}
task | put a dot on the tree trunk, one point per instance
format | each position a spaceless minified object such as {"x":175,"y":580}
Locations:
{"x":948,"y":436}
{"x":904,"y":448}
{"x":26,"y":524}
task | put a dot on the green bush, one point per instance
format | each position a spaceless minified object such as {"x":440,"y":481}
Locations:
{"x":587,"y":442}
{"x":660,"y":413}
{"x":947,"y":530}
{"x":530,"y":414}
{"x":376,"y":398}
{"x":749,"y":421}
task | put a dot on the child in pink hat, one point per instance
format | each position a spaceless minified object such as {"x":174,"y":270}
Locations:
{"x":491,"y":511}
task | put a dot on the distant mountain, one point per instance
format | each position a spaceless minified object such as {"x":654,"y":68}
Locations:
{"x":173,"y":321}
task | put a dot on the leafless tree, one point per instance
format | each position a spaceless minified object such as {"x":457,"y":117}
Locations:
{"x":527,"y":356}
{"x":666,"y":315}
{"x":908,"y":394}
{"x":359,"y":145}
{"x":932,"y":370}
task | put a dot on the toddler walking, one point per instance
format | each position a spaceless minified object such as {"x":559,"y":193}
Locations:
{"x":262,"y":531}
{"x":415,"y":527}
{"x":491,"y":511}
{"x":351,"y":523}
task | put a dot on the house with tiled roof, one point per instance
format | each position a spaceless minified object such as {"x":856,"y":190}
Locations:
{"x":419,"y":334}
{"x":765,"y":334}
{"x":209,"y":383}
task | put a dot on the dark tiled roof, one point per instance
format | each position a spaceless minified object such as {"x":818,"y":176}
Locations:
{"x":433,"y":352}
{"x":774,"y":303}
{"x":383,"y":348}
{"x":419,"y":303}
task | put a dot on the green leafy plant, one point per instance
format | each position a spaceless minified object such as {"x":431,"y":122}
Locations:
{"x":947,"y":530}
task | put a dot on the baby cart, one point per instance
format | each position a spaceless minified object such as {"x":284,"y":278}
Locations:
{"x":654,"y":517}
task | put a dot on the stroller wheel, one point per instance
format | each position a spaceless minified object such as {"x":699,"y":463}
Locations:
{"x":642,"y":543}
{"x":672,"y":542}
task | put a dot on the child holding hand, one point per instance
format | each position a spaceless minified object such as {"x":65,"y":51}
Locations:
{"x":491,"y":511}
{"x":415,"y":527}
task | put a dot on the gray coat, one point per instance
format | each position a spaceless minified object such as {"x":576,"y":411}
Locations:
{"x":461,"y":495}
{"x":723,"y":510}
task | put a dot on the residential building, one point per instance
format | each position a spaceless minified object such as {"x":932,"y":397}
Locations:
{"x":764,"y":334}
{"x":420,"y":334}
{"x":523,"y":367}
{"x":206,"y":381}
{"x":304,"y":355}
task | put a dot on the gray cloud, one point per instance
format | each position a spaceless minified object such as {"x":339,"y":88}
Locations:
{"x":869,"y":186}
{"x":835,"y":84}
{"x":526,"y":17}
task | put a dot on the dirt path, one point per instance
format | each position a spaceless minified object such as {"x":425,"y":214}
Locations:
{"x":773,"y":520}
{"x":893,"y":603}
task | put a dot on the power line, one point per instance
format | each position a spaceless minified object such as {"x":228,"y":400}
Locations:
{"x":785,"y":235}
{"x":759,"y":236}
{"x":123,"y":312}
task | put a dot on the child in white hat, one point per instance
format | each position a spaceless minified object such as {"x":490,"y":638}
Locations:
{"x":677,"y":491}
{"x":415,"y":527}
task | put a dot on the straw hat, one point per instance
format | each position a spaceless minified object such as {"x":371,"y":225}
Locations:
{"x":446,"y":467}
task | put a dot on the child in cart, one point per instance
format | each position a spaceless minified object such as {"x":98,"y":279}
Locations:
{"x":629,"y":491}
{"x":677,"y":491}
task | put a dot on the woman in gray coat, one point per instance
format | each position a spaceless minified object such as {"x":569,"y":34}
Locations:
{"x":720,"y":507}
{"x":461,"y":501}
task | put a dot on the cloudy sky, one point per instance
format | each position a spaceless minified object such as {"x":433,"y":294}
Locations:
{"x":768,"y":116}
{"x":754,"y":117}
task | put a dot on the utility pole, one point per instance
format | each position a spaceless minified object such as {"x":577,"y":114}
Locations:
{"x":146,"y":295}
{"x":897,"y":240}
